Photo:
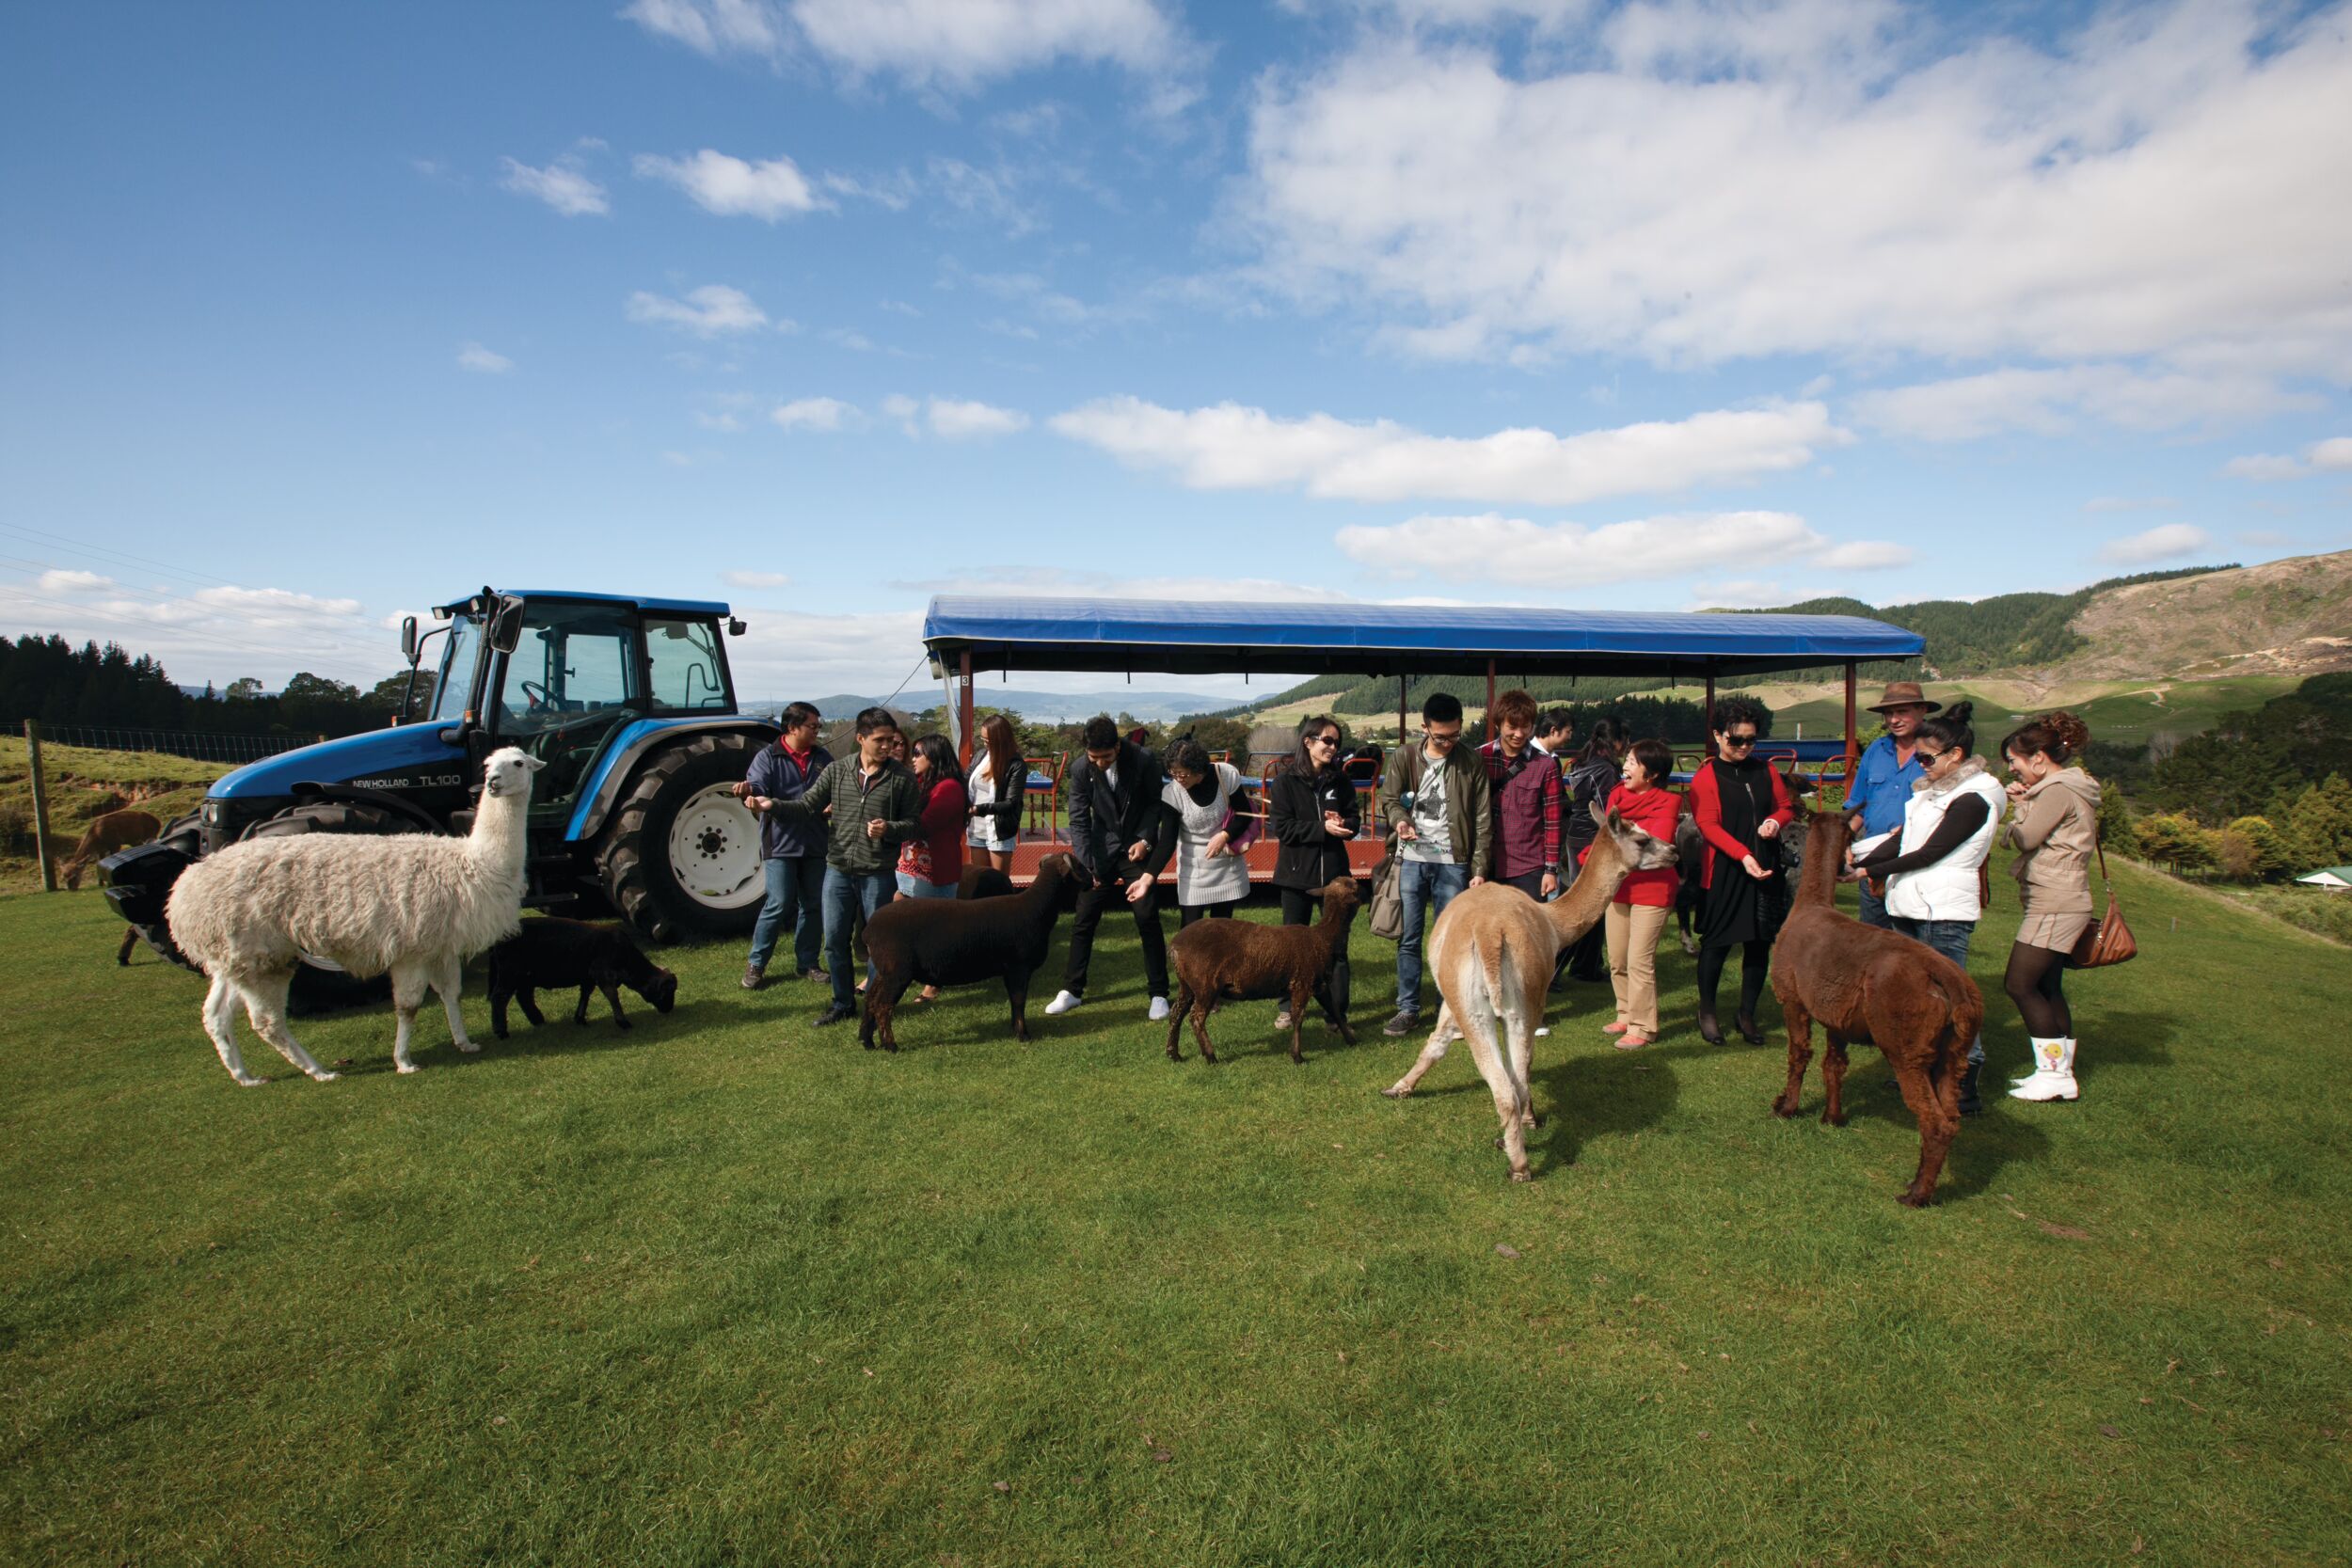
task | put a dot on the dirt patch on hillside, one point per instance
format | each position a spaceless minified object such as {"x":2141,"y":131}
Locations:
{"x":2286,"y":617}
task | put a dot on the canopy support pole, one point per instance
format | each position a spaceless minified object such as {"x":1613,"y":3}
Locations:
{"x":1710,"y":711}
{"x":1402,"y":682}
{"x":1853,"y":755}
{"x":963,"y":705}
{"x":1490,"y":700}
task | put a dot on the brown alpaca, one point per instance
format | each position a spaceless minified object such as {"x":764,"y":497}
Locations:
{"x":1493,"y":951}
{"x":117,"y":830}
{"x":1218,"y":962}
{"x":1877,"y":987}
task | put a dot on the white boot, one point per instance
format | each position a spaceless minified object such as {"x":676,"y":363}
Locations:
{"x":1061,"y":1003}
{"x":2040,"y":1054}
{"x":2054,"y":1075}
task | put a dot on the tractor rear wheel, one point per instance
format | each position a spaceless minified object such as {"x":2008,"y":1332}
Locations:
{"x":680,"y":858}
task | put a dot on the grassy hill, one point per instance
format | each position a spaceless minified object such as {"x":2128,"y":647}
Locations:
{"x":727,"y":1289}
{"x":84,"y":783}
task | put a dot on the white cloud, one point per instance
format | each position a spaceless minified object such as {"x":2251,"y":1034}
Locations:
{"x":219,"y":633}
{"x":712,"y":27}
{"x":940,"y":44}
{"x":724,"y":423}
{"x":560,"y":185}
{"x":959,"y":419}
{"x":2048,"y":402}
{"x":473,"y":356}
{"x":1865,"y":555}
{"x":1229,"y":447}
{"x":707,"y":312}
{"x":814,"y":414}
{"x":68,"y":580}
{"x":2333,"y":455}
{"x":1713,"y":180}
{"x":739,"y":579}
{"x":1523,"y":554}
{"x":2164,"y":543}
{"x":958,"y":44}
{"x":733,"y":188}
{"x":1745,"y":593}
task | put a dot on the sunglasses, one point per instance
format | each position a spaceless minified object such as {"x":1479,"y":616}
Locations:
{"x":1739,"y":741}
{"x":1323,"y":740}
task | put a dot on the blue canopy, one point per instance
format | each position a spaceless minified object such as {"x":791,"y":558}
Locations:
{"x":1193,"y":638}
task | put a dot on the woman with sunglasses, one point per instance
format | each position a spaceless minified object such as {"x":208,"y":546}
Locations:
{"x":1741,"y":804}
{"x":1311,"y":811}
{"x":1933,"y":866}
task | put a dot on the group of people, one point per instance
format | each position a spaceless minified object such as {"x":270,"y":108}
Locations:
{"x":842,"y":837}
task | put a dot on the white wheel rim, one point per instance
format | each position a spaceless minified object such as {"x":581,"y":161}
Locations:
{"x":714,"y":851}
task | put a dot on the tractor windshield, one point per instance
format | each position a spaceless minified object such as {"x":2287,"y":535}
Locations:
{"x":454,"y":689}
{"x":570,"y":681}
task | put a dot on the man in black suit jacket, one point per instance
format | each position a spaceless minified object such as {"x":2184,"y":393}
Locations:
{"x":1114,"y":796}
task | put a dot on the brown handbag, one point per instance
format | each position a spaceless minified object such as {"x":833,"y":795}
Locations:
{"x":2109,"y":941}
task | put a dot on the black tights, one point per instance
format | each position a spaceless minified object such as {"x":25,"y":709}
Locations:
{"x":1187,"y":913}
{"x":2033,"y":981}
{"x":1755,"y":961}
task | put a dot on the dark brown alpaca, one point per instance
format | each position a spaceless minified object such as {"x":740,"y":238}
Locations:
{"x":1877,"y":987}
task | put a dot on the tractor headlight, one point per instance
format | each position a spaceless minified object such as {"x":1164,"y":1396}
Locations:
{"x":211,"y":813}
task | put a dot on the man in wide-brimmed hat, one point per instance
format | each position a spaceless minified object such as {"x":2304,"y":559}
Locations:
{"x":1882,"y":780}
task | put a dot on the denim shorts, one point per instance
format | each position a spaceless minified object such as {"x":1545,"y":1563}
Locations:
{"x":915,"y":887}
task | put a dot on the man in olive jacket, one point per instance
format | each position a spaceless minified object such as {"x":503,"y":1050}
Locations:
{"x":1435,"y":798}
{"x":874,"y":803}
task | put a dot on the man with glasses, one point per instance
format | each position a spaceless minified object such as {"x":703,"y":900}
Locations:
{"x":1883,"y":780}
{"x":791,"y":850}
{"x":1437,"y":800}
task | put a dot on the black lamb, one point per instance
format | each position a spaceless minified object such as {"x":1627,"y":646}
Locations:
{"x":553,"y":952}
{"x":939,"y":942}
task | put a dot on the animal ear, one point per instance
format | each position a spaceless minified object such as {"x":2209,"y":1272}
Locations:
{"x":1614,"y":821}
{"x":531,"y":763}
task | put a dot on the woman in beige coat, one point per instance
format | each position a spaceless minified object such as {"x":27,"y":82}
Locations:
{"x":2054,"y":831}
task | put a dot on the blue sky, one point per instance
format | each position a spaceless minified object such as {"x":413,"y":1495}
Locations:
{"x":312,"y":316}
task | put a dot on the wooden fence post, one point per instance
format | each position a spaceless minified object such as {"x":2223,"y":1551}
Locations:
{"x":40,"y":808}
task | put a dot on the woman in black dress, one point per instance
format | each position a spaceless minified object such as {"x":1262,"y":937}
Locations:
{"x":1742,"y":805}
{"x":1593,"y":775}
{"x":1312,"y":814}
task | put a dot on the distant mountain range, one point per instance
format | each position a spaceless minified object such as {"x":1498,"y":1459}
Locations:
{"x":1043,"y":707}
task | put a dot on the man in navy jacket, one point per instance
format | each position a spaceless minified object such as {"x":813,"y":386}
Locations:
{"x":791,"y":849}
{"x":1114,"y":793}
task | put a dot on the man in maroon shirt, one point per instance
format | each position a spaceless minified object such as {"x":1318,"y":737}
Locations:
{"x":1526,"y":799}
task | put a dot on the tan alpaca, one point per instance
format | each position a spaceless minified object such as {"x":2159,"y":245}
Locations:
{"x":117,"y":830}
{"x":1493,"y":952}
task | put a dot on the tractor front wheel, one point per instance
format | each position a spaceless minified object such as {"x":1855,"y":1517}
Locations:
{"x":682,"y":857}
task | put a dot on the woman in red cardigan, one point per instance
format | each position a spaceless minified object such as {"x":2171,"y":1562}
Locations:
{"x":1742,"y":805}
{"x":1638,"y":913}
{"x":931,"y":865}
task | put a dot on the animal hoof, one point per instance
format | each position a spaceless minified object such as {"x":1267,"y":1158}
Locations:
{"x":468,"y":1047}
{"x":1396,"y":1091}
{"x":249,"y":1082}
{"x":1828,"y":1120}
{"x":406,"y":1067}
{"x":325,"y":1077}
{"x":1913,"y":1200}
{"x":1522,"y":1176}
{"x":1784,"y":1107}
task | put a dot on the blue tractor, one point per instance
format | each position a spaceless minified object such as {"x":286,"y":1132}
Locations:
{"x":630,"y":704}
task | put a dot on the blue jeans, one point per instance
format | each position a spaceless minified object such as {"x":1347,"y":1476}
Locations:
{"x":1423,"y":885}
{"x":796,"y":893}
{"x":1873,"y":912}
{"x":1949,"y":937}
{"x":845,"y":893}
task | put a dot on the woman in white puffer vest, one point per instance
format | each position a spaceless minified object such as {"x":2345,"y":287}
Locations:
{"x":1934,"y":866}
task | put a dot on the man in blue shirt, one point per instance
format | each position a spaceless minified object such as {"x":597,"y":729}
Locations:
{"x":1884,"y":778}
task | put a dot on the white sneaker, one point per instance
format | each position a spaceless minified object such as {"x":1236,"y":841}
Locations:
{"x":1061,"y":1003}
{"x":1543,"y":1033}
{"x":1159,"y":1009}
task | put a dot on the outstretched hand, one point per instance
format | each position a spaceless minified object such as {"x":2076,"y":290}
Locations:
{"x":1747,"y":864}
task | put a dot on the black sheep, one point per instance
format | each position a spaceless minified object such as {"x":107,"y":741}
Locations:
{"x":939,"y":942}
{"x":983,"y":881}
{"x":553,"y":952}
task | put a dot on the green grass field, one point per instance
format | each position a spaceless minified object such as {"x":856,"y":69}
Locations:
{"x":728,"y":1290}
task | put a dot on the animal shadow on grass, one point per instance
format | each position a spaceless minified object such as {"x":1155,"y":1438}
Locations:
{"x":561,"y":1036}
{"x":1579,"y":1097}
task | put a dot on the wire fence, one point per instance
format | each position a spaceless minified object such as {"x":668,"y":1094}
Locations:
{"x":179,"y":743}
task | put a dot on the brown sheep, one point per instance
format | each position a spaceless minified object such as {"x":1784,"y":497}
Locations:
{"x":1218,"y":962}
{"x":1881,"y":988}
{"x":117,"y":830}
{"x":943,"y":941}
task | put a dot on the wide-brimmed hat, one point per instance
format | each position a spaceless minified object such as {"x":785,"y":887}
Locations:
{"x":1904,"y":694}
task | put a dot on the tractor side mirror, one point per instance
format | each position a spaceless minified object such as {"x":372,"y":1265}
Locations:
{"x":506,"y":625}
{"x":408,"y":637}
{"x":736,"y":627}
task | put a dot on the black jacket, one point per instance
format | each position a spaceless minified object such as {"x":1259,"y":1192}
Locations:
{"x":1103,"y":820}
{"x":1307,"y":858}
